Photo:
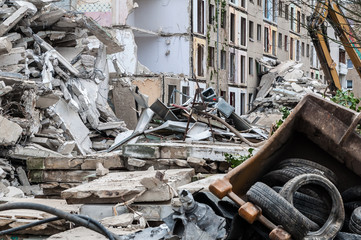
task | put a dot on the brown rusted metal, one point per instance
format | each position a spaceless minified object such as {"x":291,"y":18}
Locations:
{"x":352,"y":127}
{"x":249,"y":212}
{"x":279,"y":234}
{"x":260,"y":217}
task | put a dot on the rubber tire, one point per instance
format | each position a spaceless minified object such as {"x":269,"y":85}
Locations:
{"x":351,"y":206}
{"x":347,"y":236}
{"x":337,"y":215}
{"x":281,"y":176}
{"x":352,"y":194}
{"x":279,"y":211}
{"x":313,"y":208}
{"x":355,"y":221}
{"x":299,"y":162}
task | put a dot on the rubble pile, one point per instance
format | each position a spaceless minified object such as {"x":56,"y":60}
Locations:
{"x":53,"y":82}
{"x":285,"y":85}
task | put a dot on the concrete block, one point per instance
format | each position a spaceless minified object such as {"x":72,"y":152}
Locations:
{"x":67,"y":147}
{"x":74,"y":126}
{"x":100,"y":211}
{"x":10,"y":132}
{"x":136,"y":162}
{"x":179,"y":152}
{"x":123,"y":186}
{"x":202,"y":184}
{"x":122,"y":220}
{"x":48,"y":100}
{"x":14,"y":192}
{"x":141,"y":151}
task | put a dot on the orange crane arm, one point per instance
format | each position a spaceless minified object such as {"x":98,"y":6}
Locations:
{"x":319,"y":41}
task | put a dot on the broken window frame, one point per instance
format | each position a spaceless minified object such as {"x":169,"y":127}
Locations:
{"x":200,"y":60}
{"x":232,"y":26}
{"x":200,"y":16}
{"x":243,"y":69}
{"x":211,"y":56}
{"x":298,"y":21}
{"x":243,"y":29}
{"x":250,"y":30}
{"x":211,"y":12}
{"x":250,"y":66}
{"x":280,"y":6}
{"x":280,"y":40}
{"x":259,"y":32}
{"x":223,"y":60}
{"x":266,"y":47}
{"x":232,"y":67}
{"x":274,"y":37}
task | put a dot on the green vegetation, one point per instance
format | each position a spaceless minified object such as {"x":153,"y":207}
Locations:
{"x":347,"y":99}
{"x":239,"y":159}
{"x":285,"y":113}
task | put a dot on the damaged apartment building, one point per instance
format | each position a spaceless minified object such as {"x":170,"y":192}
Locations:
{"x":173,"y":47}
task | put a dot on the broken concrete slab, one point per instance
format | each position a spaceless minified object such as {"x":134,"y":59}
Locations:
{"x":141,"y":151}
{"x":124,"y":104}
{"x":47,"y":100}
{"x":122,"y":220}
{"x":74,"y":126}
{"x":201,"y":185}
{"x":297,"y":88}
{"x":4,"y":89}
{"x":120,"y":187}
{"x":113,"y":46}
{"x":11,"y":21}
{"x":111,"y":161}
{"x":10,"y":132}
{"x":32,"y":150}
{"x":61,"y":176}
{"x":153,"y":211}
{"x":111,"y":125}
{"x":100,"y":211}
{"x":15,"y":56}
{"x":181,"y":150}
{"x":66,"y":148}
{"x":5,"y":45}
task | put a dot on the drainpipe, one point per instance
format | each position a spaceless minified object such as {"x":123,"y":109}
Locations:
{"x":218,"y":23}
{"x":191,"y":38}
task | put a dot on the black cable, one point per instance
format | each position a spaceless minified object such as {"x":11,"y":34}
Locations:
{"x":79,"y":220}
{"x":16,"y":229}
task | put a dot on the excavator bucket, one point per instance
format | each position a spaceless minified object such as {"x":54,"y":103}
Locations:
{"x":317,"y":130}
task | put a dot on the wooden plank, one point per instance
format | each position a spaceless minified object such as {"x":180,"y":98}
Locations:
{"x":110,"y":161}
{"x":119,"y":187}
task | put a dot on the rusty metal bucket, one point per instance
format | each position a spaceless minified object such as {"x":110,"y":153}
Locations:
{"x":317,"y":130}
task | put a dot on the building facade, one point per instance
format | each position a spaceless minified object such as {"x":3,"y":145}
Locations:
{"x":177,"y":46}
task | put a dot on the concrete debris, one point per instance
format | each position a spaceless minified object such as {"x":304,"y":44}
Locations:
{"x":284,"y":86}
{"x":142,"y":186}
{"x":41,"y":90}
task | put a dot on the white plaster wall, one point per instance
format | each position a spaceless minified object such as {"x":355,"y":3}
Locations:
{"x":334,"y":47}
{"x":168,"y":16}
{"x":152,"y":52}
{"x":127,"y":60}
